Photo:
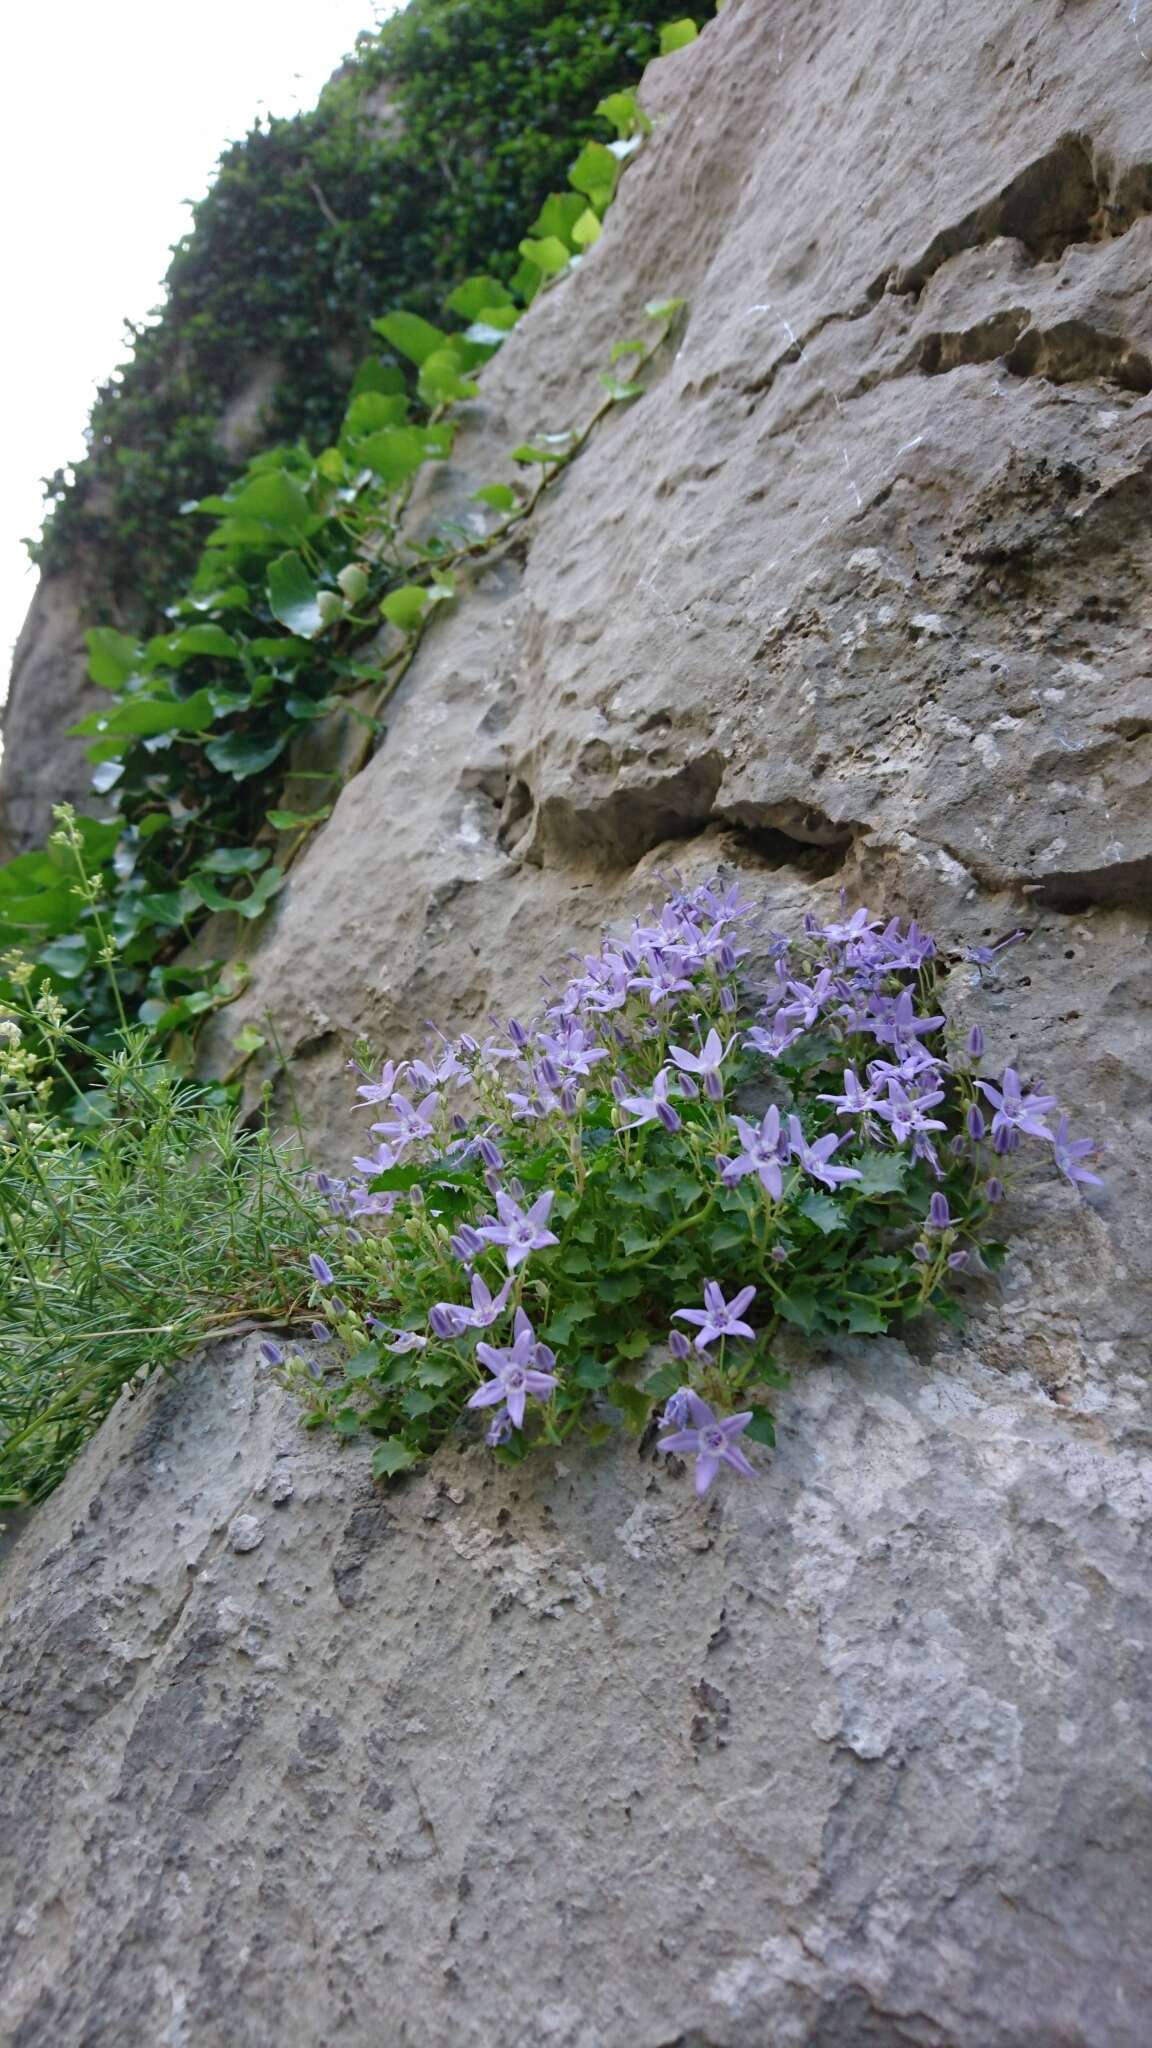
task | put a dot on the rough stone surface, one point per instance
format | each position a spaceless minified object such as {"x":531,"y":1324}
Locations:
{"x":851,"y":1756}
{"x":49,"y":691}
{"x":854,"y":598}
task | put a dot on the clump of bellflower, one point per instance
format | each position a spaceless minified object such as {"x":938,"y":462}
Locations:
{"x":672,"y":1141}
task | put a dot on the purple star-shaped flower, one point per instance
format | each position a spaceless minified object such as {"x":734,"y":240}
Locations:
{"x":409,"y":1120}
{"x":1016,"y":1111}
{"x":515,"y":1372}
{"x":383,"y":1089}
{"x":718,"y":1318}
{"x":711,"y":1440}
{"x":1068,"y":1152}
{"x":485,"y":1310}
{"x":706,"y":1063}
{"x":520,"y":1231}
{"x":760,"y":1154}
{"x":650,"y":1109}
{"x":814,"y":1158}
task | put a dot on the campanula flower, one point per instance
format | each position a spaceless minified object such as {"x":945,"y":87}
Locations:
{"x":712,"y":1441}
{"x":1068,"y":1152}
{"x":520,"y":1231}
{"x":706,"y":1063}
{"x":814,"y":1159}
{"x":760,"y":1154}
{"x":1014,"y":1109}
{"x":515,"y":1372}
{"x":718,"y":1318}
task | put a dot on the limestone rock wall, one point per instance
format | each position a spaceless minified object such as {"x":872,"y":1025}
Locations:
{"x":855,"y":598}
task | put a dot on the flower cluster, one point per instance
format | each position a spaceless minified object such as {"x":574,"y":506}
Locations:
{"x":668,"y":1143}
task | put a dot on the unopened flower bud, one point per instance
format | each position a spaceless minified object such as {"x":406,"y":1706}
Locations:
{"x":957,"y":1260}
{"x":975,"y":1122}
{"x":713,"y":1085}
{"x":329,"y":606}
{"x":727,"y":1000}
{"x":939,"y":1217}
{"x":689,"y":1088}
{"x":271,"y":1352}
{"x":517,"y":1034}
{"x":975,"y":1043}
{"x":668,"y":1116}
{"x":489,"y":1153}
{"x":353,"y":582}
{"x":994,"y":1189}
{"x":678,"y":1344}
{"x":921,"y":1253}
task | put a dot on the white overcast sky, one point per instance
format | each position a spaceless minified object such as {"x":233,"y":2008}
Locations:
{"x":112,"y":116}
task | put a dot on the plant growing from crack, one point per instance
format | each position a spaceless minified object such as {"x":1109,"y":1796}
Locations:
{"x":620,"y":1206}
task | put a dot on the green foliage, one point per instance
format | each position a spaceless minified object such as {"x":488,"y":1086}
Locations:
{"x":151,"y":1225}
{"x":306,"y":554}
{"x":309,"y":224}
{"x":641,"y":1147}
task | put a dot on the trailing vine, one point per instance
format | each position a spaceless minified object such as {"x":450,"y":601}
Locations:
{"x":310,"y":595}
{"x":422,"y":158}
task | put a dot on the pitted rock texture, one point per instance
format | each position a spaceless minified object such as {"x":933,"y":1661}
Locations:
{"x":854,"y":599}
{"x":852,"y":1755}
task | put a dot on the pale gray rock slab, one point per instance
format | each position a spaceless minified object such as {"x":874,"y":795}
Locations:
{"x":856,"y":1753}
{"x":854,"y":599}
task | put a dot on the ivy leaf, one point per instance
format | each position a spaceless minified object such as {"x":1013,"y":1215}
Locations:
{"x":371,"y":410}
{"x":248,"y":1040}
{"x":233,"y":860}
{"x":676,"y":35}
{"x":296,"y":821}
{"x":826,"y":1214}
{"x":391,"y":1457}
{"x":558,"y":216}
{"x":113,"y":658}
{"x":241,"y":754}
{"x":66,"y":957}
{"x":293,"y":596}
{"x":146,"y":717}
{"x":441,"y":381}
{"x":346,"y":1422}
{"x":594,"y":173}
{"x":475,"y":295}
{"x":620,"y":392}
{"x":406,"y":607}
{"x":410,"y":336}
{"x":180,"y":647}
{"x":395,"y":453}
{"x":625,"y":113}
{"x":375,"y":374}
{"x":548,"y":253}
{"x":275,"y":500}
{"x":587,"y":229}
{"x":501,"y":497}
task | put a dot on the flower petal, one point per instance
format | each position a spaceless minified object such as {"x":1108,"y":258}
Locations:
{"x":706,"y":1470}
